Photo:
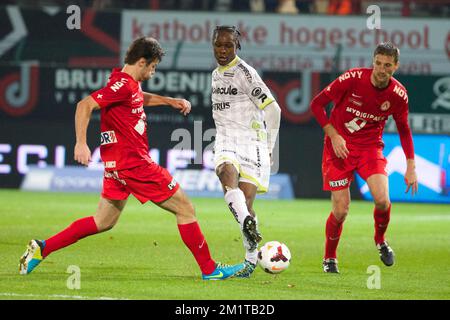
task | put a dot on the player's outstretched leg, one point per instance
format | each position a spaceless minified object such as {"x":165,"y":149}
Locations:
{"x":223,"y":271}
{"x":38,"y":250}
{"x":386,"y":253}
{"x":32,"y":256}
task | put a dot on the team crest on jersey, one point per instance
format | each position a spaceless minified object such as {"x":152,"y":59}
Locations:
{"x":385,"y":106}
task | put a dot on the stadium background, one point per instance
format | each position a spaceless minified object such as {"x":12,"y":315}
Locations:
{"x":46,"y":67}
{"x":298,"y":47}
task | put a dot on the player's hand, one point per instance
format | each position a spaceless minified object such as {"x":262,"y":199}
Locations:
{"x":411,"y":181}
{"x":339,"y":146}
{"x":183,"y":105}
{"x":82,"y":154}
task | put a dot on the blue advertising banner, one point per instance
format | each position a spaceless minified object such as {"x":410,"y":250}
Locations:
{"x":196,"y":183}
{"x":432,"y":155}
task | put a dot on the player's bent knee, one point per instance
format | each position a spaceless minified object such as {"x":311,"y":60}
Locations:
{"x":103,"y":226}
{"x":340,"y":215}
{"x":340,"y":210}
{"x":186,"y":209}
{"x":382,"y":203}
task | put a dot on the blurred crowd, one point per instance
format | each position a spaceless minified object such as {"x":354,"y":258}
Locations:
{"x":415,"y":8}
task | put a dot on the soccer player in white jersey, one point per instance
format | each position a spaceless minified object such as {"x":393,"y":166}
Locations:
{"x":247,"y":120}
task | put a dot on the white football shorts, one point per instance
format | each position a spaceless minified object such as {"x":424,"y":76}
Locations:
{"x":250,"y":158}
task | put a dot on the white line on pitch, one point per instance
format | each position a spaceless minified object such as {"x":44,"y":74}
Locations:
{"x":56,"y":296}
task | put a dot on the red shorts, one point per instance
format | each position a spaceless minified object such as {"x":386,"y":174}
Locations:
{"x":147,"y":182}
{"x":338,"y":173}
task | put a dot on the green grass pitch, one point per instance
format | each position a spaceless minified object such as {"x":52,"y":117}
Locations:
{"x":143,"y":257}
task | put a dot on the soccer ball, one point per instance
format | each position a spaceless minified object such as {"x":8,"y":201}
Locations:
{"x":274,"y":257}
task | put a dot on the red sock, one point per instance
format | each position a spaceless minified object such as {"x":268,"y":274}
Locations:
{"x":77,"y":230}
{"x":381,"y":223}
{"x":193,"y":238}
{"x":333,"y":232}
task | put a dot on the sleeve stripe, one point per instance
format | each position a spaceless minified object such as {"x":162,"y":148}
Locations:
{"x":265,"y":104}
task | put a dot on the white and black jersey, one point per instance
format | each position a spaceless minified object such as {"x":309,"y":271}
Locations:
{"x":239,"y":97}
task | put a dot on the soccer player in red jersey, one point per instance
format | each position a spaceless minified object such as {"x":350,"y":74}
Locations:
{"x":363,"y":100}
{"x":128,"y":166}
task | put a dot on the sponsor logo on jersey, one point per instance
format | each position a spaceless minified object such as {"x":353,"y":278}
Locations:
{"x":110,"y":164}
{"x":247,"y":73}
{"x":108,"y":137}
{"x":118,"y":84}
{"x":365,"y":115}
{"x":338,"y":183}
{"x":401,"y":93}
{"x":113,"y":174}
{"x":256,"y":91}
{"x":229,"y":90}
{"x":172,"y":184}
{"x":256,"y":164}
{"x":385,"y":106}
{"x":137,"y":110}
{"x":221,"y":106}
{"x":350,"y":74}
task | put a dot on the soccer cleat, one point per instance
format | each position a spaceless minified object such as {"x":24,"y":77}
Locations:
{"x":247,"y":271}
{"x":330,"y":265}
{"x":386,"y":253}
{"x":32,"y":256}
{"x":251,"y":233}
{"x":223,"y":271}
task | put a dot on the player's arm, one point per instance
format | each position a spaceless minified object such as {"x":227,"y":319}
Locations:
{"x":262,"y":97}
{"x":151,"y":99}
{"x":272,"y":117}
{"x":404,"y":131}
{"x":318,"y":107}
{"x":82,"y":153}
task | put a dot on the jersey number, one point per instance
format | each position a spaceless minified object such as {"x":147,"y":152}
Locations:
{"x":140,"y":126}
{"x":355,"y":125}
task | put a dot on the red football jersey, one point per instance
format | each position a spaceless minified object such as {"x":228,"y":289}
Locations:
{"x":124,"y":142}
{"x":360,"y":109}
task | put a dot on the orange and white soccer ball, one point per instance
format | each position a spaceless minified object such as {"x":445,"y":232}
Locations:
{"x":274,"y":257}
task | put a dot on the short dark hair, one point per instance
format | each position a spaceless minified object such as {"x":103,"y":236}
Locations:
{"x":144,"y":47}
{"x":233,"y":30}
{"x":387,"y":49}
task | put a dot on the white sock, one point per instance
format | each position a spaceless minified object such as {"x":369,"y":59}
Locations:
{"x":251,"y":256}
{"x":235,"y":200}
